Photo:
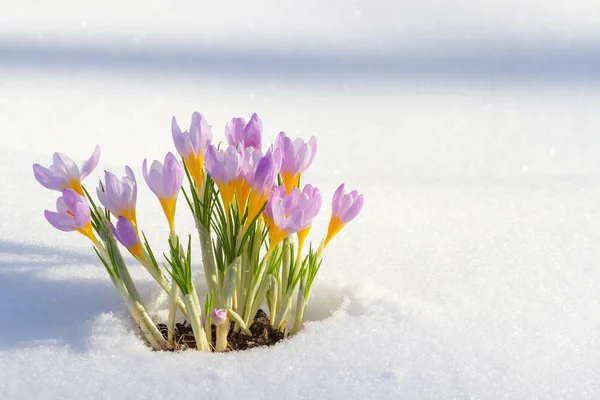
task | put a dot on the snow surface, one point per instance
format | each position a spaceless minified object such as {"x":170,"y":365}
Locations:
{"x":471,"y":127}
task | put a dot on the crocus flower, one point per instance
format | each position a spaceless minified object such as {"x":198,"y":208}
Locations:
{"x":119,"y":195}
{"x":73,"y":214}
{"x":224,"y":166}
{"x":218,"y":316}
{"x":240,"y":133}
{"x":192,"y":145}
{"x":64,"y":173}
{"x":344,"y":208}
{"x":165,"y":182}
{"x":309,"y":200}
{"x":259,"y":173}
{"x":290,"y":213}
{"x":127,"y":235}
{"x":296,"y":156}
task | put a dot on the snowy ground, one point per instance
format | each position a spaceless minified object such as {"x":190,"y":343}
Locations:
{"x":471,"y":127}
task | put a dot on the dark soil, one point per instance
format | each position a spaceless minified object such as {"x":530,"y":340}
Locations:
{"x":263,"y":334}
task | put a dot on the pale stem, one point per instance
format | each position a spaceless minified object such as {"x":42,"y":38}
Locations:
{"x":286,"y":306}
{"x":194,"y":318}
{"x":222,"y":331}
{"x":262,"y":292}
{"x":300,"y":306}
{"x":173,"y":295}
{"x":208,"y":260}
{"x":274,"y":290}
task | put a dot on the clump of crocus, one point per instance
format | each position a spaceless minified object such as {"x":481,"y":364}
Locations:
{"x":252,"y":215}
{"x":64,"y":173}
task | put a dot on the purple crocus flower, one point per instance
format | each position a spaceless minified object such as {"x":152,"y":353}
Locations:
{"x":224,"y":166}
{"x":290,"y":213}
{"x":73,"y":214}
{"x":259,"y":173}
{"x":64,"y":173}
{"x":127,"y":235}
{"x":238,"y":132}
{"x":218,"y":316}
{"x":119,"y":195}
{"x":165,"y":182}
{"x":262,"y":177}
{"x":192,"y":145}
{"x":310,"y":200}
{"x":344,"y":208}
{"x":296,"y":156}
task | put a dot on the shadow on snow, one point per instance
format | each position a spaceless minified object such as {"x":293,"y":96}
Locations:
{"x":476,"y":61}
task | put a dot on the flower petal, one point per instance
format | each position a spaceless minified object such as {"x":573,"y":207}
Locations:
{"x":58,"y":221}
{"x":63,"y":165}
{"x":89,"y":166}
{"x":48,"y":178}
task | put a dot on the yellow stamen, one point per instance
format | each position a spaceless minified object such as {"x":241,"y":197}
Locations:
{"x":335,"y":225}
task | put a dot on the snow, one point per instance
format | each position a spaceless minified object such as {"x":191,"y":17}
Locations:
{"x":471,"y":128}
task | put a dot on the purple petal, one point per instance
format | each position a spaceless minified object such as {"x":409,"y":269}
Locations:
{"x":266,"y":172}
{"x":48,"y":178}
{"x":132,"y":183}
{"x":183,"y":147}
{"x":354,"y":209}
{"x":231,"y":164}
{"x":145,"y":172}
{"x":89,"y":166}
{"x":63,"y":165}
{"x":312,"y":145}
{"x":253,"y":132}
{"x":200,"y":133}
{"x":234,"y":131}
{"x":335,"y":203}
{"x":172,"y":175}
{"x":58,"y":221}
{"x":296,"y":222}
{"x":71,"y":198}
{"x":126,"y":233}
{"x":212,"y":164}
{"x":82,"y":215}
{"x":61,"y":206}
{"x":156,"y":179}
{"x":218,"y":316}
